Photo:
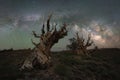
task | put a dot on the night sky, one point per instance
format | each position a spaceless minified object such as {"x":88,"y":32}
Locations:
{"x":18,"y":18}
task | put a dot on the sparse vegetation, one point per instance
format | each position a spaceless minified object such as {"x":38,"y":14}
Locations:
{"x":62,"y":70}
{"x":103,"y":65}
{"x":41,"y":64}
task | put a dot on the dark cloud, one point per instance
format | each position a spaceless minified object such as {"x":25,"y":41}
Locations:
{"x":28,"y":14}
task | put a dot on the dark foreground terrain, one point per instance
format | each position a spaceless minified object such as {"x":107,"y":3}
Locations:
{"x":104,"y":64}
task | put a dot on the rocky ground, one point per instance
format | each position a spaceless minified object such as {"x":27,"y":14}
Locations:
{"x":103,"y":64}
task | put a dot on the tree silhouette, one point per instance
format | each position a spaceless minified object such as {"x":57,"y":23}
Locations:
{"x":79,"y":45}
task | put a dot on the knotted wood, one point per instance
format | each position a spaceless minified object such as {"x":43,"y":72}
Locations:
{"x":41,"y":56}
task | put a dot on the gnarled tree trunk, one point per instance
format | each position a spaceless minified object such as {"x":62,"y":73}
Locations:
{"x":40,"y":56}
{"x":82,"y":45}
{"x":79,"y":45}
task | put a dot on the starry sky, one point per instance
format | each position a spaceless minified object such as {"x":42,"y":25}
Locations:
{"x":18,"y":18}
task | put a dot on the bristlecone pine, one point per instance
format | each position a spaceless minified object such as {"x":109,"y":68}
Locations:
{"x":79,"y":45}
{"x":40,"y":57}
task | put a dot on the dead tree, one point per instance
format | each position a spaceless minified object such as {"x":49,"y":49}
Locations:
{"x":80,"y":45}
{"x":41,"y":53}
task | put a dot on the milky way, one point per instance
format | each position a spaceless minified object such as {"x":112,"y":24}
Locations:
{"x":18,"y":18}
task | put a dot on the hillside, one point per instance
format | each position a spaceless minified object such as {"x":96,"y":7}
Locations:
{"x":104,"y":64}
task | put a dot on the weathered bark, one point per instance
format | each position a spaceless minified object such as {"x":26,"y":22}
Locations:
{"x":41,"y":57}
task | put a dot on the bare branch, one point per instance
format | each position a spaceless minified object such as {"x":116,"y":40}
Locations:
{"x":42,"y":49}
{"x":89,"y":42}
{"x":34,"y":43}
{"x":35,"y":35}
{"x":43,"y":31}
{"x":79,"y":44}
{"x":48,"y":23}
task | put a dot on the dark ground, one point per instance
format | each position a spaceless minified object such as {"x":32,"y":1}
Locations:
{"x":104,"y":64}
